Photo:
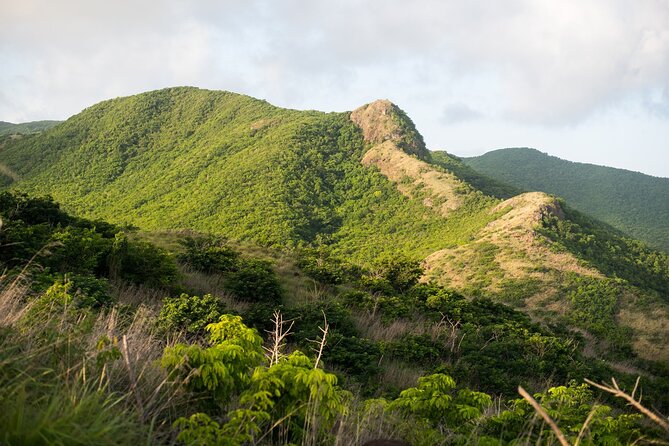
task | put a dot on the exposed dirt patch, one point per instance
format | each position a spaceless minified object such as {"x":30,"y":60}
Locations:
{"x":521,"y":253}
{"x":5,"y":170}
{"x":417,"y":179}
{"x":376,"y":121}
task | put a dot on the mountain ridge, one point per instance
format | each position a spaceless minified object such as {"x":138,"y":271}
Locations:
{"x":360,"y":184}
{"x":631,"y":202}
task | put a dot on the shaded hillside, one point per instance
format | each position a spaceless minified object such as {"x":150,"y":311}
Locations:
{"x":485,"y":184}
{"x":632,"y":202}
{"x":24,"y":128}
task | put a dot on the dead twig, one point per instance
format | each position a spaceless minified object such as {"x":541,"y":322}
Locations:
{"x":540,"y":410}
{"x":615,"y":390}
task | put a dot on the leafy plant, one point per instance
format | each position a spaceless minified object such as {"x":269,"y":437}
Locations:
{"x":190,"y":313}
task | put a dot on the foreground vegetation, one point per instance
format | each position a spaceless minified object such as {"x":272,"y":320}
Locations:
{"x":109,"y":339}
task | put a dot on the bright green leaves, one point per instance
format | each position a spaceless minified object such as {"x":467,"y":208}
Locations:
{"x":435,"y":400}
{"x":291,"y":396}
{"x":295,"y":394}
{"x":569,"y":406}
{"x":190,"y":313}
{"x":224,"y":367}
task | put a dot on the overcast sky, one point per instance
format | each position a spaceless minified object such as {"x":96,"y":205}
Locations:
{"x":585,"y":80}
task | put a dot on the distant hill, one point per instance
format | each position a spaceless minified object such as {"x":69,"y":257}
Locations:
{"x":632,"y":202}
{"x":25,"y":128}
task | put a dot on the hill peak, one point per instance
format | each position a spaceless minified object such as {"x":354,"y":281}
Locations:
{"x":382,"y":121}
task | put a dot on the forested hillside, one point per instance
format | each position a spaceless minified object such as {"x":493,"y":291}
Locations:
{"x":632,"y":202}
{"x":25,"y":128}
{"x":419,"y":265}
{"x":230,"y":164}
{"x":359,"y":185}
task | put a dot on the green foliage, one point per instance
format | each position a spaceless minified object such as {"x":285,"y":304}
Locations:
{"x":595,"y":305}
{"x":254,"y":280}
{"x":320,"y":265}
{"x":138,"y":261}
{"x":25,"y":128}
{"x":569,"y":406}
{"x":393,"y":275}
{"x":629,"y":201}
{"x":208,"y":254}
{"x":286,"y":401}
{"x":485,"y":184}
{"x":89,"y":291}
{"x":190,"y":313}
{"x":36,"y":230}
{"x":169,"y":159}
{"x":296,"y":395}
{"x":415,"y":350}
{"x":436,"y":400}
{"x":78,"y":250}
{"x":64,"y":415}
{"x":221,"y":369}
{"x":611,"y":253}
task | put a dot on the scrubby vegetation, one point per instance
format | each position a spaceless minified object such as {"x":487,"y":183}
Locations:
{"x":85,"y":360}
{"x":629,"y":201}
{"x":276,"y":293}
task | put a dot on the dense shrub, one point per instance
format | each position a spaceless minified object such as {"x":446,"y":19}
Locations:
{"x":208,"y":254}
{"x":139,"y":261}
{"x":254,"y":280}
{"x":190,"y":313}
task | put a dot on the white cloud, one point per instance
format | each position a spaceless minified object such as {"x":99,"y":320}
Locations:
{"x":544,"y":63}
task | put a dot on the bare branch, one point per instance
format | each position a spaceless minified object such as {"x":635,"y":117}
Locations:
{"x":324,"y":331}
{"x":615,"y":390}
{"x":540,"y":410}
{"x":277,"y":337}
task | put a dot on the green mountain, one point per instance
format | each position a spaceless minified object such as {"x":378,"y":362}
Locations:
{"x":360,"y":185}
{"x":191,"y":219}
{"x":25,"y":128}
{"x":631,"y":202}
{"x":230,"y":164}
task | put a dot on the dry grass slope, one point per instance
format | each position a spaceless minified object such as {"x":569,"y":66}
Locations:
{"x":518,"y":251}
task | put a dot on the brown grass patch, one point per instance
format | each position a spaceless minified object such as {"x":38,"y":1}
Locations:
{"x":415,"y":178}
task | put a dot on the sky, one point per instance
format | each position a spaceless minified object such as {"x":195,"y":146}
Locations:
{"x":585,"y":80}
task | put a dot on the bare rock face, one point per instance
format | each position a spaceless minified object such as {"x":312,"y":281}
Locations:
{"x":382,"y":121}
{"x":376,"y":121}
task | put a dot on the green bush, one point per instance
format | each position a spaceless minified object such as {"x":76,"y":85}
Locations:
{"x":254,"y":281}
{"x":191,"y":314}
{"x":141,"y":262}
{"x":208,"y":254}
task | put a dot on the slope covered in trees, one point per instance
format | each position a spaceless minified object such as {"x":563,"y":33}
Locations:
{"x":632,"y":202}
{"x":230,"y":164}
{"x":25,"y":128}
{"x":360,"y":186}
